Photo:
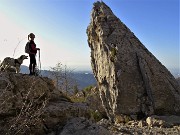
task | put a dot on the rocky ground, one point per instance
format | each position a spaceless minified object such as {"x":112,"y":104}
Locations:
{"x":141,"y":127}
{"x":124,"y":125}
{"x":82,"y":126}
{"x":32,"y":105}
{"x":129,"y":130}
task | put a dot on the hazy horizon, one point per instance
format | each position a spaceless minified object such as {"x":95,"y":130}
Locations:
{"x":174,"y":71}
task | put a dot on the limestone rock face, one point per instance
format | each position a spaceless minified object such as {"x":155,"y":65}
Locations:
{"x":131,"y":80}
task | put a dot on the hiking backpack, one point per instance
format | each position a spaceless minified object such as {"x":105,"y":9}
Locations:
{"x":27,"y":50}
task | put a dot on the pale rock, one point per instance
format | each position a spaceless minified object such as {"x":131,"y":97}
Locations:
{"x":142,"y":123}
{"x":163,"y":121}
{"x":104,"y":123}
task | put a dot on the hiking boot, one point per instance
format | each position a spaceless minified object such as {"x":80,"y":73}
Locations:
{"x":31,"y":73}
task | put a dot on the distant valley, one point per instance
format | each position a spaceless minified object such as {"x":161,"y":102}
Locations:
{"x":82,"y":78}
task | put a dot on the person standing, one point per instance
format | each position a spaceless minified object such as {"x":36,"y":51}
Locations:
{"x":32,"y":53}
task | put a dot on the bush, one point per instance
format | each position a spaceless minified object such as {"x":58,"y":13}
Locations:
{"x":77,"y":99}
{"x":87,"y":90}
{"x":96,"y":115}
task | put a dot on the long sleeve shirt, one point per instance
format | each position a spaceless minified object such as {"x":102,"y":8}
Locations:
{"x":32,"y":47}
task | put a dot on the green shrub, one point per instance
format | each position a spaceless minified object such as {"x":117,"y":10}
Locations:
{"x":87,"y":90}
{"x":78,"y":99}
{"x":113,"y":54}
{"x":96,"y":115}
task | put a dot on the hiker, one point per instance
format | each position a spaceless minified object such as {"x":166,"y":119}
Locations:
{"x":32,"y":53}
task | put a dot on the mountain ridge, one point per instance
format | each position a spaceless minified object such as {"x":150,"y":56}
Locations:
{"x":83,"y":78}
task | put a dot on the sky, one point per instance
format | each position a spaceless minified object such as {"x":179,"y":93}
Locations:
{"x":60,"y":29}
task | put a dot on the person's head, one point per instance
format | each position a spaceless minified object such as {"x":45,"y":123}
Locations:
{"x":31,"y":36}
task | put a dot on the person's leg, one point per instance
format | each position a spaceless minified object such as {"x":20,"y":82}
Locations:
{"x":34,"y":64}
{"x":31,"y":63}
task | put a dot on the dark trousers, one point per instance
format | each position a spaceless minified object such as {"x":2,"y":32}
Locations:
{"x":32,"y":64}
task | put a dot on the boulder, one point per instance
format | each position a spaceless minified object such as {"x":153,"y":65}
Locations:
{"x":131,"y":80}
{"x":82,"y":126}
{"x":56,"y":114}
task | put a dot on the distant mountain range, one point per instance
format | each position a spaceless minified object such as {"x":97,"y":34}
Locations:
{"x":82,"y":78}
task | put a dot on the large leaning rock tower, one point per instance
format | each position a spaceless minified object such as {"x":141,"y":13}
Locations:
{"x":131,"y":80}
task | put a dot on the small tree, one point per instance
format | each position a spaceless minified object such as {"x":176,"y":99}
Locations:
{"x":87,"y":90}
{"x":75,"y":89}
{"x":56,"y":73}
{"x":63,"y":77}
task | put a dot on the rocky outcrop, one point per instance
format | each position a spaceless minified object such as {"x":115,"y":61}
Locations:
{"x":33,"y":104}
{"x":131,"y":80}
{"x":16,"y":89}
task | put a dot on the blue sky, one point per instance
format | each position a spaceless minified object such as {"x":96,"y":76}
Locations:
{"x":60,"y":28}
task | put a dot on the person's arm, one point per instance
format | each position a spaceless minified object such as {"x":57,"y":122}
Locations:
{"x":34,"y":48}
